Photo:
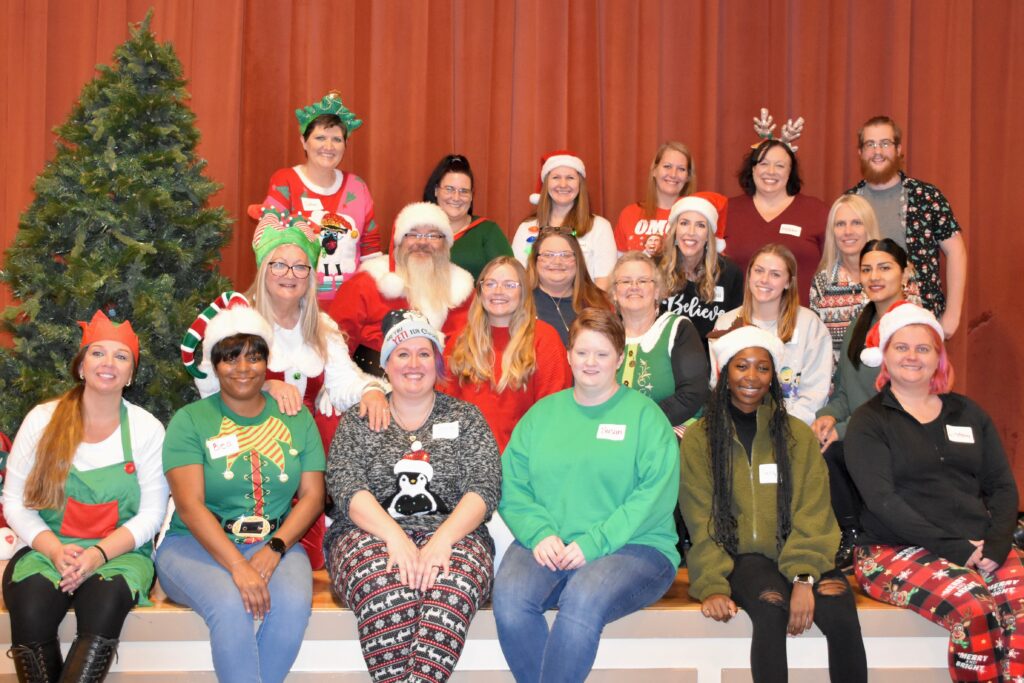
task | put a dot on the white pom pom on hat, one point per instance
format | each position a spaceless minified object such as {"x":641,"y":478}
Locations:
{"x":899,"y":315}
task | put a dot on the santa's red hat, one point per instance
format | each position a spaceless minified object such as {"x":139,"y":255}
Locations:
{"x":899,"y":315}
{"x":417,"y":462}
{"x":551,"y":161}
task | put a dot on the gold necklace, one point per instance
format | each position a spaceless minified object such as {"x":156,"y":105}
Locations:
{"x":415,"y":443}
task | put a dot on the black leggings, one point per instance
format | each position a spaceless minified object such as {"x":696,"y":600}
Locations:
{"x":763,"y":593}
{"x":846,"y":500}
{"x":37,"y":608}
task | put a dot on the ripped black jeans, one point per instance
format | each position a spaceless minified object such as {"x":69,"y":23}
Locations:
{"x":763,"y":593}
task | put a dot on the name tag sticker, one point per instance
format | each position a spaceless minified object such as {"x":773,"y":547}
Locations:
{"x":790,"y":229}
{"x":222,"y":447}
{"x":719,"y":294}
{"x":445,"y":430}
{"x":611,"y":432}
{"x":768,"y":474}
{"x":311,"y":204}
{"x":960,"y":434}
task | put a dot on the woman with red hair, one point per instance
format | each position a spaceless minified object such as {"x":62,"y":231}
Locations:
{"x":940,"y":502}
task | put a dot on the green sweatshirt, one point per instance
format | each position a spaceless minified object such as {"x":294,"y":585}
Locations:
{"x":814,"y":538}
{"x":853,"y":386}
{"x":603,"y":476}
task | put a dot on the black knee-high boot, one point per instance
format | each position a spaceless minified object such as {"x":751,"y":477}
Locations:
{"x":89,"y":659}
{"x":37,"y":662}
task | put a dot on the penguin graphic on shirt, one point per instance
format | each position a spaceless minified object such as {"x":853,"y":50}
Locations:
{"x":414,"y":496}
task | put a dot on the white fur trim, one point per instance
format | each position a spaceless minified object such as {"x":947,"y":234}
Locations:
{"x":390,"y":285}
{"x":698,"y":205}
{"x":727,"y":346}
{"x":535,"y":199}
{"x":289,"y":352}
{"x":573,"y":162}
{"x":422,"y":214}
{"x":236,"y":320}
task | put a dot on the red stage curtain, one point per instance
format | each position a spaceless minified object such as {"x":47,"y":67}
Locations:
{"x":503,"y":82}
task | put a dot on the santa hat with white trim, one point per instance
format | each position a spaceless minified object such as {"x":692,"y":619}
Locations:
{"x":899,"y":315}
{"x":228,"y":315}
{"x":415,"y":462}
{"x":419,"y":215}
{"x":550,"y":162}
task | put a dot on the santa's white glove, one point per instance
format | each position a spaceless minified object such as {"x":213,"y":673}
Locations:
{"x":323,"y":403}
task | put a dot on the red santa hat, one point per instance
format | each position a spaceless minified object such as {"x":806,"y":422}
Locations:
{"x":550,"y":162}
{"x":417,"y":462}
{"x":899,"y":315}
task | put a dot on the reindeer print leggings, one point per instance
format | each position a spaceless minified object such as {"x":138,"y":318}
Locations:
{"x":406,"y":634}
{"x":982,"y":612}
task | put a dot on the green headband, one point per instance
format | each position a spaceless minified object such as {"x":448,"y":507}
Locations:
{"x":275,"y":229}
{"x":330,"y":104}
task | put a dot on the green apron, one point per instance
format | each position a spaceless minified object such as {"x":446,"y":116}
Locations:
{"x":98,"y":502}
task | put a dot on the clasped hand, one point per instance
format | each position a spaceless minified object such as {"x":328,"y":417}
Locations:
{"x":554,"y":554}
{"x":418,"y":568}
{"x":75,"y":565}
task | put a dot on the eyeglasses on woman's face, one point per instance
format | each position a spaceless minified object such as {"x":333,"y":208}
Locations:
{"x":280,"y":269}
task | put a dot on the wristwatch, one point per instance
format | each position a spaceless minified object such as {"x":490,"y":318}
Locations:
{"x":277,"y":545}
{"x":805,"y":579}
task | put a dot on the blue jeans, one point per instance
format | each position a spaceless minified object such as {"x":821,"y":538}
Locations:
{"x":241,"y":652}
{"x":587,"y":598}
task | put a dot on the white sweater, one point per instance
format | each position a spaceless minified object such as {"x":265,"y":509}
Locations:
{"x":147,"y":443}
{"x":806,"y":371}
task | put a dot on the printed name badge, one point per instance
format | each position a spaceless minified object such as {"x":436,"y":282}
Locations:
{"x":790,"y":229}
{"x":719,"y":294}
{"x":223,"y":446}
{"x":960,"y":434}
{"x":768,"y":474}
{"x":611,"y":432}
{"x":445,"y":430}
{"x":311,"y":204}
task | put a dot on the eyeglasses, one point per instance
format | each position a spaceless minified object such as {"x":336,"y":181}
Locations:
{"x":299,"y":270}
{"x":451,"y":190}
{"x":507,"y":285}
{"x":880,"y":144}
{"x":628,"y":283}
{"x":556,"y":256}
{"x":429,"y":236}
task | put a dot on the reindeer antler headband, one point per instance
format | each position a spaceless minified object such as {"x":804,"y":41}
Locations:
{"x":765,"y":125}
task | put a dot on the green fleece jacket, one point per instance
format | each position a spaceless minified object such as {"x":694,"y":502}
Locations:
{"x":814,"y":538}
{"x":853,"y":386}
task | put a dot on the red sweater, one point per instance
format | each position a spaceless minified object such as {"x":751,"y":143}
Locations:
{"x":503,"y":410}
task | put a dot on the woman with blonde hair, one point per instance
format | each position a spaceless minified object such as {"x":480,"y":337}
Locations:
{"x":771,"y":302}
{"x":558,"y":278}
{"x":502,"y":361}
{"x":562,"y":200}
{"x":642,"y":226}
{"x":86,"y":491}
{"x":701,"y":284}
{"x":837,"y":295}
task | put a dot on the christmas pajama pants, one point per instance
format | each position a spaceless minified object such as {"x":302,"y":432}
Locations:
{"x":982,"y":612}
{"x":407,"y":634}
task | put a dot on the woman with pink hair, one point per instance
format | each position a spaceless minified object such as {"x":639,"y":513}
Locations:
{"x":940,"y":502}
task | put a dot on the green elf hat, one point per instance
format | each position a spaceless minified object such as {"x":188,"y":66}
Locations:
{"x":276,"y":228}
{"x":330,"y":104}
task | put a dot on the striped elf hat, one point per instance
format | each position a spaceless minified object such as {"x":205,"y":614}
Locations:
{"x":197,"y":330}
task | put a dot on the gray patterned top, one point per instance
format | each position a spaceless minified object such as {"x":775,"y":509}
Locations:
{"x":418,"y":477}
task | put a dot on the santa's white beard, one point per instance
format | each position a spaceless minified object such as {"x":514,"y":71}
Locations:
{"x":427,"y":283}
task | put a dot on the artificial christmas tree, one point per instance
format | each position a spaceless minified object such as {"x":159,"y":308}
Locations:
{"x":119,"y":223}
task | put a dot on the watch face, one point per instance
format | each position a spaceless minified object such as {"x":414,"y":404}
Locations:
{"x":277,"y":545}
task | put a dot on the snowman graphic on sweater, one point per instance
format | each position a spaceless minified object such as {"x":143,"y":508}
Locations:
{"x":414,"y":496}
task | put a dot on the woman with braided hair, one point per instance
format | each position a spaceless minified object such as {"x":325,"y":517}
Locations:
{"x":754,"y":494}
